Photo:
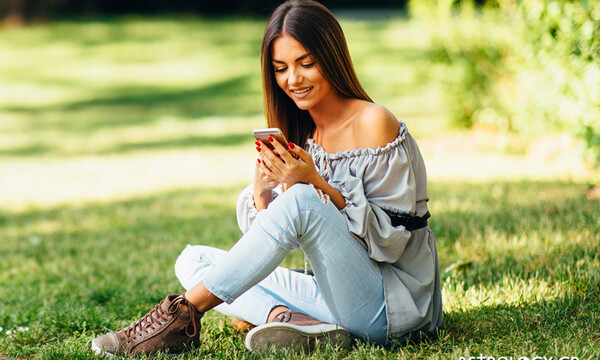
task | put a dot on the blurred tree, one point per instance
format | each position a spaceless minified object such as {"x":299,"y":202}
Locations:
{"x":526,"y":66}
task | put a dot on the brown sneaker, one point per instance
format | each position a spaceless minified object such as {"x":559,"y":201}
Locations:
{"x":296,"y":331}
{"x":173,"y":324}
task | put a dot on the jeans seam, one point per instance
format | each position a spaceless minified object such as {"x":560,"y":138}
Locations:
{"x":221,"y":295}
{"x":341,"y":231}
{"x":323,"y":216}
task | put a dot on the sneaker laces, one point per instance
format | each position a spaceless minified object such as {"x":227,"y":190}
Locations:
{"x":296,"y":318}
{"x":173,"y":308}
{"x":156,"y":318}
{"x":284,"y":317}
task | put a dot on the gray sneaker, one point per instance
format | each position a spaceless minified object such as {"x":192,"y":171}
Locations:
{"x":172,"y":325}
{"x":296,"y":331}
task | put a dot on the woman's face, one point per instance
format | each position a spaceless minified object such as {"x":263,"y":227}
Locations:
{"x":297,"y":74}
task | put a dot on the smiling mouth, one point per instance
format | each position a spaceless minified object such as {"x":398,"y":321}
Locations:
{"x":301,"y":91}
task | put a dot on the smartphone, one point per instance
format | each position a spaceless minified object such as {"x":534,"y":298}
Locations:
{"x":264,"y":134}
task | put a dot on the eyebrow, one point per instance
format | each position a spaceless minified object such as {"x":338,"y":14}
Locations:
{"x":298,"y":59}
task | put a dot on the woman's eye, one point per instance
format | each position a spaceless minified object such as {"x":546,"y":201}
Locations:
{"x":280,"y":70}
{"x":308,"y":65}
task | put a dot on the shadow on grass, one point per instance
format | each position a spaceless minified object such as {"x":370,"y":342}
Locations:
{"x":538,"y":327}
{"x":114,"y":261}
{"x":521,"y":229}
{"x":523,"y":211}
{"x":139,"y":107}
{"x":218,"y":30}
{"x":30,"y":150}
{"x":126,"y":106}
{"x":185,"y":142}
{"x":530,"y":328}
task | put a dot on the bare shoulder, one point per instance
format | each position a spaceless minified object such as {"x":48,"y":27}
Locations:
{"x":377,"y":126}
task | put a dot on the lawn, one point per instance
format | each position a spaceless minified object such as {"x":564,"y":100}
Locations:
{"x":124,"y":139}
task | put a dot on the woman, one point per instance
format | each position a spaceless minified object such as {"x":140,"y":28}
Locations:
{"x":356,"y":204}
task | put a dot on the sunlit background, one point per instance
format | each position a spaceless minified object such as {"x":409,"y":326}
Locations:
{"x":119,"y":107}
{"x":125,"y":134}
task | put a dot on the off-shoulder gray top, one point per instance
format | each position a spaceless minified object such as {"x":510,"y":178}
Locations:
{"x":377,"y":182}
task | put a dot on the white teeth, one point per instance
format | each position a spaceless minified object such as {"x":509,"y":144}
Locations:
{"x":301,"y":91}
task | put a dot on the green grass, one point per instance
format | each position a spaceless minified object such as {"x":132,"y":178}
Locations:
{"x":128,"y":84}
{"x":525,"y":280}
{"x":520,"y":263}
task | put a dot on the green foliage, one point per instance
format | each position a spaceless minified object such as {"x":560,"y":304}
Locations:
{"x":527,"y":66}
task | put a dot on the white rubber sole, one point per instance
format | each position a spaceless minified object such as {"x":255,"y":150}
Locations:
{"x":99,"y":351}
{"x":296,"y":338}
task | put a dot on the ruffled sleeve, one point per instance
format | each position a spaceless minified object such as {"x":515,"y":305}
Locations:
{"x":375,"y":183}
{"x":371,"y":223}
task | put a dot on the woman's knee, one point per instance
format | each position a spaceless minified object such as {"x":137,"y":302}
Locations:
{"x":194,"y":261}
{"x":306,"y":195}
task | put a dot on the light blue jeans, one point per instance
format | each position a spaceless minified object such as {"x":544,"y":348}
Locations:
{"x":347,"y":288}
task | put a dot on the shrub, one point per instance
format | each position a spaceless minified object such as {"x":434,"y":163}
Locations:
{"x":529,"y":66}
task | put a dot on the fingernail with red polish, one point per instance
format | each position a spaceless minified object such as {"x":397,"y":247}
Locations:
{"x":271,"y":139}
{"x":257,"y":149}
{"x":291,"y":145}
{"x":257,"y":143}
{"x":258,"y":160}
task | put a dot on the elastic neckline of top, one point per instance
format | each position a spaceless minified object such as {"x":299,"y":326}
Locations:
{"x":362,"y":151}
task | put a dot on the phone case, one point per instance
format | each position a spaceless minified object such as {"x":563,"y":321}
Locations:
{"x":263,"y":134}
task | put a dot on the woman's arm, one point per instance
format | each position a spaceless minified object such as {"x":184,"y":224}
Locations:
{"x":263,"y":186}
{"x":375,"y":127}
{"x":336,"y":197}
{"x":287,"y":169}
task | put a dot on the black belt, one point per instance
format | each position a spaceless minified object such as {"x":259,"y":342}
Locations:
{"x":411,"y":223}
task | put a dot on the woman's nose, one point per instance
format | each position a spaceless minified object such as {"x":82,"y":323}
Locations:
{"x":295,"y":77}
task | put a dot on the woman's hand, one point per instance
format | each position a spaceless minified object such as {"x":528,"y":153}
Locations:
{"x":262,"y":180}
{"x":295,"y":166}
{"x":281,"y":165}
{"x":263,"y":184}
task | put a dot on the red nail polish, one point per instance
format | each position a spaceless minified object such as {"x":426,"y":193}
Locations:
{"x":291,"y":145}
{"x":257,"y":143}
{"x":257,"y":149}
{"x":258,"y":161}
{"x":271,"y":139}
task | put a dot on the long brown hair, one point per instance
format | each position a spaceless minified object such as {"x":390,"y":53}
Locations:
{"x":315,"y":27}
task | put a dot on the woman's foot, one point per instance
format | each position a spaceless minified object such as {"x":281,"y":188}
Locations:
{"x":240,"y":325}
{"x":296,"y":331}
{"x":173,"y":324}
